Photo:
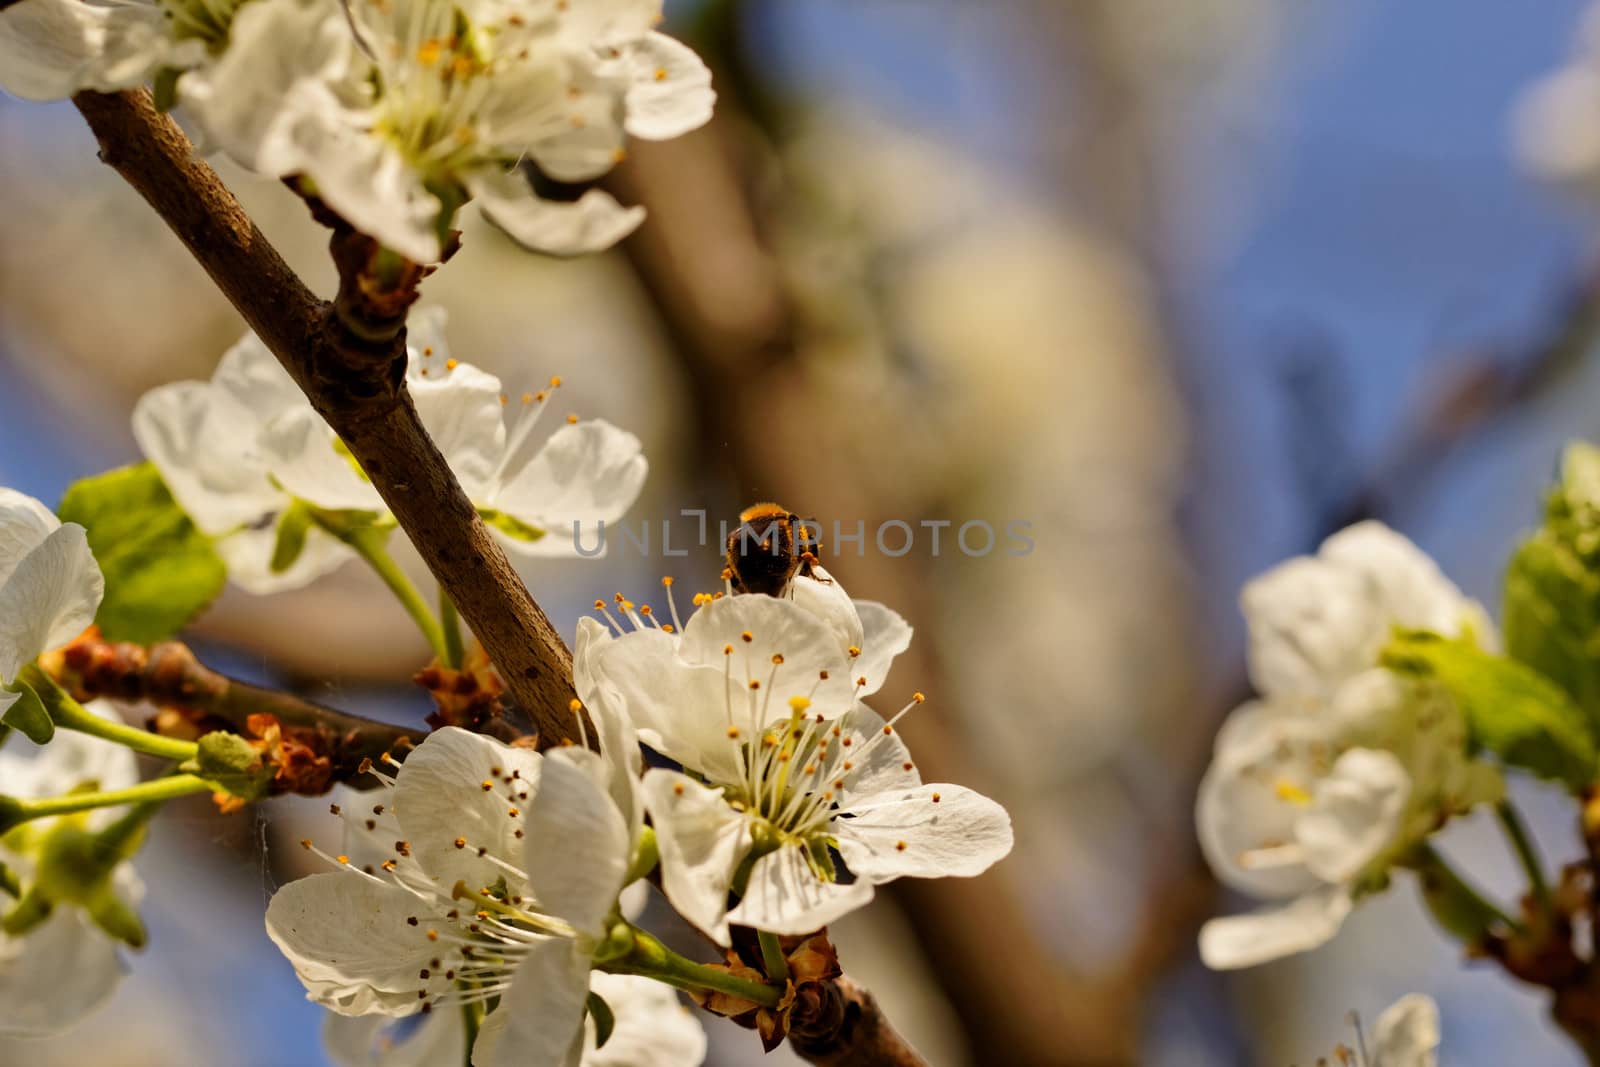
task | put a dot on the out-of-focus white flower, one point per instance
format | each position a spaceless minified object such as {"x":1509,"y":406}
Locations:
{"x":446,"y":892}
{"x":237,"y":452}
{"x":50,"y":584}
{"x":653,"y":1028}
{"x":50,"y":49}
{"x":758,"y":700}
{"x":1317,"y":789}
{"x":428,"y":104}
{"x":56,"y":970}
{"x":542,"y":499}
{"x":1557,"y":129}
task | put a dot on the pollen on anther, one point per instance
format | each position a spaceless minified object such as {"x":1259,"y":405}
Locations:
{"x":517,"y":834}
{"x":377,"y":809}
{"x":823,"y":675}
{"x":661,"y":74}
{"x":461,"y":842}
{"x":342,"y":859}
{"x":746,"y":636}
{"x":727,"y":650}
{"x":305,"y":843}
{"x":411,"y":920}
{"x":388,"y":865}
{"x":777,"y":659}
{"x":527,"y":398}
{"x":907,"y":765}
{"x":849,"y":766}
{"x":513,"y":812}
{"x":887,"y":729}
{"x":755,"y":684}
{"x":451,"y":364}
{"x":677,"y":789}
{"x":936,"y":798}
{"x":917,"y":698}
{"x":487,"y":785}
{"x":555,"y":381}
{"x":733,"y":732}
{"x":599,"y":605}
{"x":899,"y":846}
{"x":862,"y":680}
{"x":433,"y":935}
{"x":854,"y":651}
{"x":667,"y":580}
{"x":372,"y":824}
{"x":333,"y":809}
{"x":572,"y":420}
{"x":574,"y":705}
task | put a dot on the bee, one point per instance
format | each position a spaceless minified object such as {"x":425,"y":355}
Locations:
{"x":770,"y":546}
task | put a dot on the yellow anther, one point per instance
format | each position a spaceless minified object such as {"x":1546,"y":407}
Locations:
{"x":854,"y":651}
{"x":917,"y":698}
{"x":1287,"y":790}
{"x":733,"y":732}
{"x":572,"y":420}
{"x":746,"y":636}
{"x":661,"y":74}
{"x":667,"y":580}
{"x":555,"y":381}
{"x":451,"y":364}
{"x":574,"y":705}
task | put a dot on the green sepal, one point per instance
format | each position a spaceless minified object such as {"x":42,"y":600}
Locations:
{"x":604,"y":1020}
{"x":1457,"y":909}
{"x":160,"y":571}
{"x":232,"y":763}
{"x":164,"y":88}
{"x":27,"y":715}
{"x":28,"y":912}
{"x":1510,"y":709}
{"x":9,"y":883}
{"x":618,"y":943}
{"x":513,"y":528}
{"x":294,"y":525}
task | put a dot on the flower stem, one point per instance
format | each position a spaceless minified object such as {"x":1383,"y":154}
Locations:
{"x":450,"y":622}
{"x":148,"y":795}
{"x":68,"y":714}
{"x":772,"y":956}
{"x":1516,"y":831}
{"x":652,"y":959}
{"x":1458,"y":907}
{"x":368,"y":541}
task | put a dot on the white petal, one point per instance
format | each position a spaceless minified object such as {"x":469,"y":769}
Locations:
{"x":679,"y":710}
{"x":24,"y":524}
{"x":702,"y":842}
{"x":671,"y":92}
{"x":619,"y":742}
{"x":248,"y":555}
{"x":653,"y":1025}
{"x":1409,"y":585}
{"x":1311,"y":626}
{"x":55,"y":975}
{"x":593,"y":223}
{"x":204,"y":448}
{"x":349,"y":940}
{"x":379,"y":1041}
{"x":586,"y":473}
{"x":50,"y":596}
{"x":1354,"y":814}
{"x":885,"y":634}
{"x":962,"y":834}
{"x":777,"y":627}
{"x":542,"y":1011}
{"x":785,"y":896}
{"x":1407,"y":1033}
{"x":882,"y":762}
{"x":578,"y":844}
{"x":49,"y":49}
{"x":460,"y":409}
{"x":441,"y":798}
{"x":303,"y":456}
{"x":825,"y":598}
{"x":1271,"y":933}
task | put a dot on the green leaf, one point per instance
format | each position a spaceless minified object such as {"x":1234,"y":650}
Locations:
{"x":160,"y":570}
{"x":515,"y":529}
{"x":28,"y":715}
{"x":293,"y":526}
{"x":1511,"y":709}
{"x":604,"y":1020}
{"x":1551,"y":616}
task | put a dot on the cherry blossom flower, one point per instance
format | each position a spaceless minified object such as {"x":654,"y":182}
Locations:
{"x":783,"y":766}
{"x":1317,"y":789}
{"x":428,"y":104}
{"x":239,"y":450}
{"x":481,"y":872}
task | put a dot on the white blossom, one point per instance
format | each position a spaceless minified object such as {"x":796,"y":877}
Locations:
{"x":653,"y":1028}
{"x":541,"y":498}
{"x":759,"y":701}
{"x":55,"y":973}
{"x":237,"y":452}
{"x":480,"y":871}
{"x":1406,"y":1034}
{"x":1557,"y":129}
{"x":430,"y":103}
{"x":50,"y":585}
{"x":1317,"y":789}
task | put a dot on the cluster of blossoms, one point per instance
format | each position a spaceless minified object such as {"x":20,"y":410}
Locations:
{"x":492,"y":875}
{"x":260,"y":472}
{"x":392,"y":112}
{"x":1342,"y":767}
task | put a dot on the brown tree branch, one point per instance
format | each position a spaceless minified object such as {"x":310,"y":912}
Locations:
{"x":356,"y":381}
{"x":169,"y":676}
{"x":847,"y":1029}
